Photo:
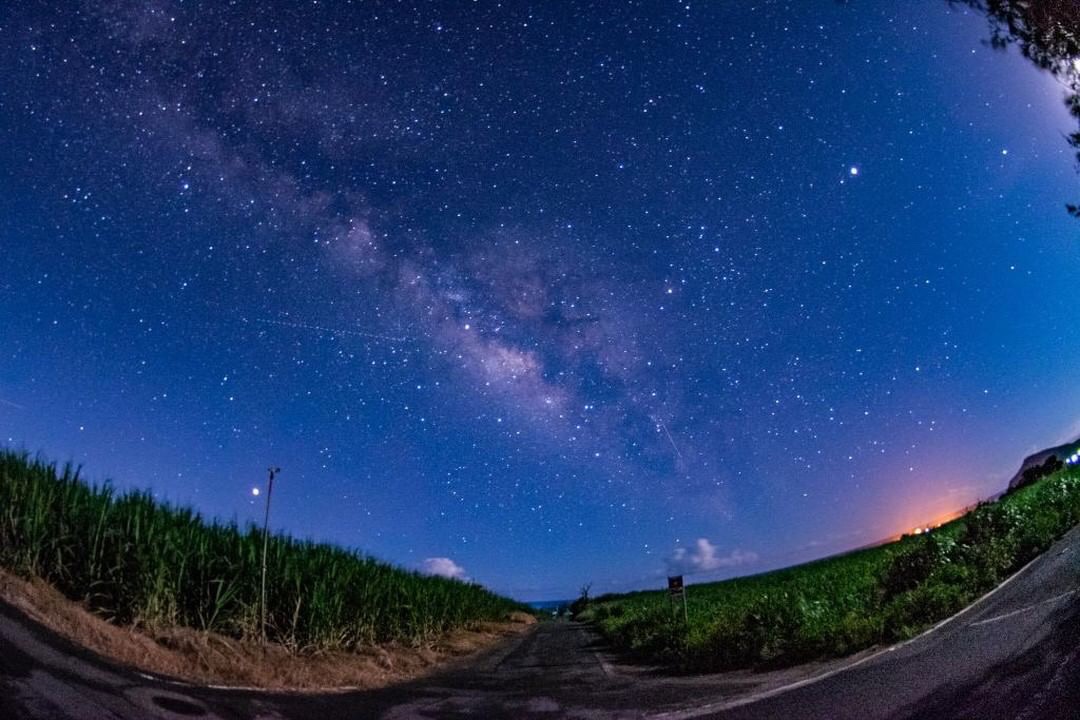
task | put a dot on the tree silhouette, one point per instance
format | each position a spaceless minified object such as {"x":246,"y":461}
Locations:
{"x":1047,"y":32}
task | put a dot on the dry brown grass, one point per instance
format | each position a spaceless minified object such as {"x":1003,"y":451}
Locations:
{"x":212,"y":659}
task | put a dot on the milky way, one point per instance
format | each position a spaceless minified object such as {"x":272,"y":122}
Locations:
{"x":537,"y":295}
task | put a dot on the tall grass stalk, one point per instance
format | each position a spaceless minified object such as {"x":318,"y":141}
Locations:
{"x":135,"y":560}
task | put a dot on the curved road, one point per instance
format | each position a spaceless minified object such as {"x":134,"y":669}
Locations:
{"x":1015,"y":655}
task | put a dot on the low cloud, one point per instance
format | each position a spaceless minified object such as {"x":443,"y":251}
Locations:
{"x":443,"y":567}
{"x":703,"y":556}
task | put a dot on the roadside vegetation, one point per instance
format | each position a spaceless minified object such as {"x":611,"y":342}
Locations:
{"x":847,"y":603}
{"x":136,"y":561}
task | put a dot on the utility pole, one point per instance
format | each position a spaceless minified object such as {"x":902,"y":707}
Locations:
{"x":266,"y":539}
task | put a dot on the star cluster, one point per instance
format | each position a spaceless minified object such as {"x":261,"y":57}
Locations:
{"x":544,"y":293}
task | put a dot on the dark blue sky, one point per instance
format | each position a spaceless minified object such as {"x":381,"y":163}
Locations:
{"x":549,"y":290}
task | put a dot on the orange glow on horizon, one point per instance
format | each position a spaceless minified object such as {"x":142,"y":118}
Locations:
{"x":936,"y":522}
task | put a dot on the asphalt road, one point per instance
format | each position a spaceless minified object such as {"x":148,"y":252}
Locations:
{"x":1014,"y":655}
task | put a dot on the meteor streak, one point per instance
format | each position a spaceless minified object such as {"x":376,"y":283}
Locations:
{"x":327,"y":330}
{"x":660,"y":424}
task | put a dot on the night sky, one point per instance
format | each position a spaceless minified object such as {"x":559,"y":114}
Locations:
{"x":537,"y":294}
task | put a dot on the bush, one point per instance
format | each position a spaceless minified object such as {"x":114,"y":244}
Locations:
{"x":917,"y":562}
{"x":910,"y":612}
{"x":1035,"y":536}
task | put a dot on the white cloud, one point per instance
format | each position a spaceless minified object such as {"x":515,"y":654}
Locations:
{"x":704,"y":557}
{"x":443,"y":567}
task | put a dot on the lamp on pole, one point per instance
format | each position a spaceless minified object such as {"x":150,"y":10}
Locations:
{"x":266,"y":538}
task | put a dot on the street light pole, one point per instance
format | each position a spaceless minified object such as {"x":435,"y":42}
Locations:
{"x":266,"y":538}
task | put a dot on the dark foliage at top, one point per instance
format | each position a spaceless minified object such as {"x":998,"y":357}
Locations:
{"x":1047,"y":32}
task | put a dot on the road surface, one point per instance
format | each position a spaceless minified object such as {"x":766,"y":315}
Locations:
{"x":1015,"y":655}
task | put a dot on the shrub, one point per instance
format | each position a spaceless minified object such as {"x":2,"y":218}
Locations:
{"x":917,"y":562}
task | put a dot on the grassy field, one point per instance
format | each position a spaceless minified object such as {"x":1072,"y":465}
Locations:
{"x":843,"y":604}
{"x":136,"y":561}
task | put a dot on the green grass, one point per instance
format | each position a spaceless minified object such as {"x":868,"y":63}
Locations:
{"x":135,"y":560}
{"x":843,"y":604}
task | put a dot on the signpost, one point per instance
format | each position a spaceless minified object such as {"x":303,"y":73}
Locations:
{"x":676,"y":589}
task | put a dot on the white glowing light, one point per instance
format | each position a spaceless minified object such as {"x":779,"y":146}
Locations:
{"x":853,"y":171}
{"x":255,"y":491}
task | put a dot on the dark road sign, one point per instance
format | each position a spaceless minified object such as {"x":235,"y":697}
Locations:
{"x":675,"y":584}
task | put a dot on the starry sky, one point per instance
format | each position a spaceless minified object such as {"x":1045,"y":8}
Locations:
{"x":537,"y":294}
